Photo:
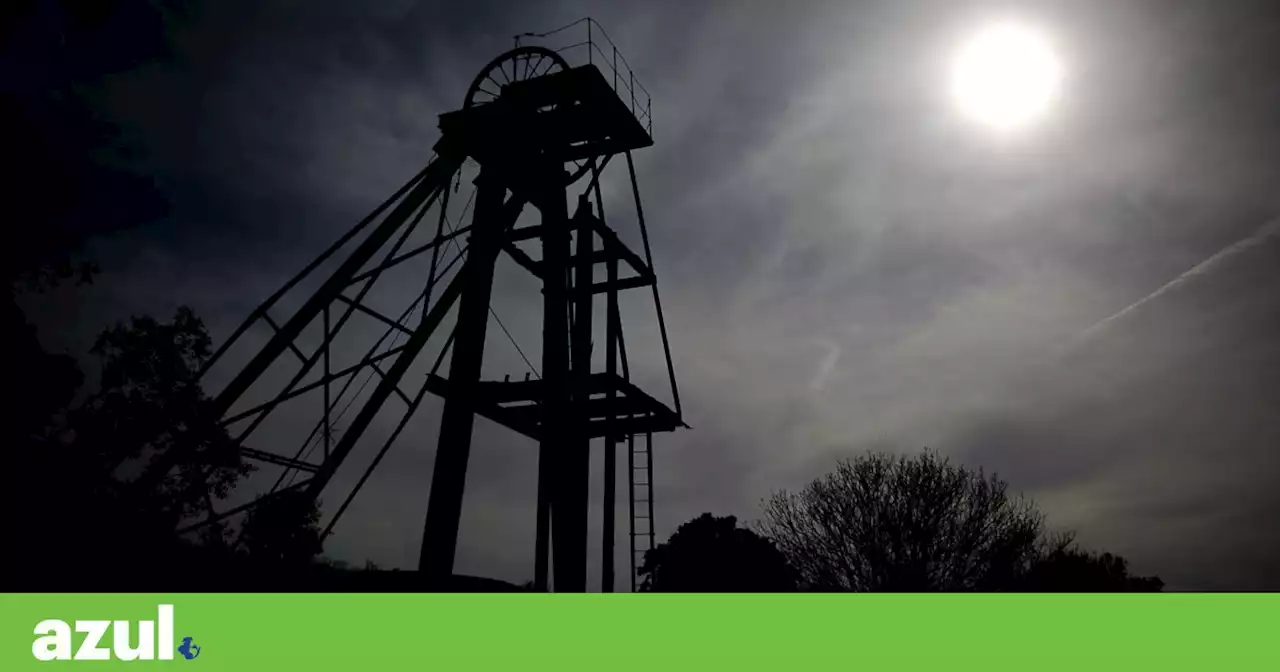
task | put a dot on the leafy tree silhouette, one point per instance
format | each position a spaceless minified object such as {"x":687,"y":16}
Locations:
{"x":150,"y":406}
{"x":283,"y":533}
{"x":886,"y":523}
{"x":94,"y":465}
{"x":711,"y":555}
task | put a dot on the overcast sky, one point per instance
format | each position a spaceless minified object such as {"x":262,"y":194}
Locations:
{"x":846,"y":262}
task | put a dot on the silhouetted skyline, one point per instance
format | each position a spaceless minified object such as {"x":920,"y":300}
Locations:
{"x":846,"y":265}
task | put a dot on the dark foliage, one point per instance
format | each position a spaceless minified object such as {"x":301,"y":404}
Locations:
{"x":88,"y":464}
{"x":70,"y":172}
{"x":142,"y":454}
{"x":1068,"y":569}
{"x":150,"y":414}
{"x":713,"y":555}
{"x":37,"y":384}
{"x":283,"y":532}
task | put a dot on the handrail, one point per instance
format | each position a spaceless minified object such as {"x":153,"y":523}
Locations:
{"x":637,"y":95}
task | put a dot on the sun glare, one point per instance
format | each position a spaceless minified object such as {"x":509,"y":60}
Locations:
{"x":1006,"y":76}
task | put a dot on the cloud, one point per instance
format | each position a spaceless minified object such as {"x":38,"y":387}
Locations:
{"x":809,"y":186}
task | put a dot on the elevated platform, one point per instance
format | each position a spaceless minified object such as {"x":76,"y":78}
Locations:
{"x":516,"y":405}
{"x":565,"y":116}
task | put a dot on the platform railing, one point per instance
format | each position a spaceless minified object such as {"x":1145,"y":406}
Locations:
{"x":588,"y":42}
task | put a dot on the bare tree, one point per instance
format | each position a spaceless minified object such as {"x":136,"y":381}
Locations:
{"x":893,"y":523}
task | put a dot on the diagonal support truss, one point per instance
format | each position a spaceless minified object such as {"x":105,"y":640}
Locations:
{"x":522,"y":139}
{"x":403,"y":213}
{"x":387,"y":360}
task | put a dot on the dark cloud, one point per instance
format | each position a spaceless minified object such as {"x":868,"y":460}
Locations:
{"x":845,"y":264}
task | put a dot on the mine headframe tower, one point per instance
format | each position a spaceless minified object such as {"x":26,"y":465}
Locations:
{"x":536,"y":126}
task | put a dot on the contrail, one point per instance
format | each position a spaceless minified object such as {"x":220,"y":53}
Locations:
{"x":1207,"y":266}
{"x":828,"y":365}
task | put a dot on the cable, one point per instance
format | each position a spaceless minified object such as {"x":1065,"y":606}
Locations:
{"x":513,"y":342}
{"x":316,"y":439}
{"x":310,"y":447}
{"x":494,"y":313}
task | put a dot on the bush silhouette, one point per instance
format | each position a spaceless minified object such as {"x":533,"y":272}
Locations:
{"x":713,"y":555}
{"x":1067,"y":568}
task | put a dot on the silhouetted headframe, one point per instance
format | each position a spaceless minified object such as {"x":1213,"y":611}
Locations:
{"x":541,"y":130}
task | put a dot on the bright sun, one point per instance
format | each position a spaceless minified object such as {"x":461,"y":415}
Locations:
{"x":1006,"y":76}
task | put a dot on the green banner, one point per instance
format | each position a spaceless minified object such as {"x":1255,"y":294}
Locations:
{"x":642,"y":632}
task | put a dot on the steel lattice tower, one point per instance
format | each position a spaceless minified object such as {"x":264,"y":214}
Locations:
{"x":540,"y":132}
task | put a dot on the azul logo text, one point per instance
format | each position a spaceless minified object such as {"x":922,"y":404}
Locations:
{"x":145,"y":640}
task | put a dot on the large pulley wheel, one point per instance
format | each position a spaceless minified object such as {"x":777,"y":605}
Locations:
{"x":519,"y":65}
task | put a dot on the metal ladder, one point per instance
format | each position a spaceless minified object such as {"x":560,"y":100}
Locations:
{"x":640,"y":480}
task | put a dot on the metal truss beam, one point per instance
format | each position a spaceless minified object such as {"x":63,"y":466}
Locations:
{"x":426,"y":191}
{"x":375,"y":315}
{"x":286,"y":396}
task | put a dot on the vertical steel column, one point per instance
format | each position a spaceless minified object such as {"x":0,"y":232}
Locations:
{"x":631,"y":504}
{"x":610,"y":440}
{"x":542,"y":534}
{"x":555,"y":372}
{"x":571,"y":507}
{"x":448,"y":481}
{"x":648,"y":456}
